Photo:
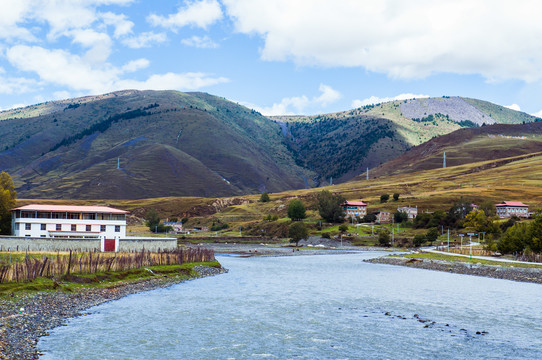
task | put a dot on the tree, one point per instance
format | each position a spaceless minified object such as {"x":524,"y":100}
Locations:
{"x":432,"y":235}
{"x":152,"y":219}
{"x":296,"y":210}
{"x":395,"y":196}
{"x":384,"y":237}
{"x":297,"y":232}
{"x":400,"y":216}
{"x":384,"y":198}
{"x":264,"y":197}
{"x":329,"y":207}
{"x":8,"y":197}
{"x":369,"y":218}
{"x":343,"y":228}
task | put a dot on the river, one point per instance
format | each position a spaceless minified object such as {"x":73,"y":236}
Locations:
{"x":312,"y":307}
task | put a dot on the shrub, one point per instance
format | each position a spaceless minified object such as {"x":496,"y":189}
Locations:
{"x":384,"y":198}
{"x":264,"y":197}
{"x":296,"y":210}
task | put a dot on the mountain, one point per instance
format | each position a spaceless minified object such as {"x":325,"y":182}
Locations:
{"x":135,"y":144}
{"x":466,"y":146}
{"x":342,"y":145}
{"x":143,"y":144}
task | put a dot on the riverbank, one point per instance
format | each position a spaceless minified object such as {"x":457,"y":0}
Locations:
{"x":26,"y":317}
{"x":533,"y":275}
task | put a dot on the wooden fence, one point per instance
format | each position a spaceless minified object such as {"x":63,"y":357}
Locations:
{"x":57,"y":265}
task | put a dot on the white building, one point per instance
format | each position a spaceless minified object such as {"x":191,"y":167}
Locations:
{"x":354,"y":208}
{"x":411,"y":211}
{"x":70,"y":222}
{"x":511,"y":208}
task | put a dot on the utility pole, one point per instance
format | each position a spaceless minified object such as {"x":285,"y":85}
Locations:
{"x":367,"y":173}
{"x":448,"y":240}
{"x":444,"y":161}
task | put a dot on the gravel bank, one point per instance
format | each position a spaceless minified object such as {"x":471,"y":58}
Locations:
{"x":498,"y":272}
{"x":24,"y":318}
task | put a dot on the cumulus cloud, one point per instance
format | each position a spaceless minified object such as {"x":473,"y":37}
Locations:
{"x":122,"y":25}
{"x":513,"y":107}
{"x":204,"y":42}
{"x":378,"y":100}
{"x":197,"y":13}
{"x":145,"y":39}
{"x":494,"y":38}
{"x":298,"y":104}
{"x":65,"y":69}
{"x":538,"y":114}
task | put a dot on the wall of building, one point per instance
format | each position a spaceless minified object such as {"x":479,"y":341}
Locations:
{"x":46,"y":244}
{"x":14,"y":243}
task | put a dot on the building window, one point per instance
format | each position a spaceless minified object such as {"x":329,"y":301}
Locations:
{"x":58,"y":227}
{"x":102,"y":228}
{"x":117,"y":228}
{"x":43,"y":227}
{"x":74,"y":227}
{"x":88,"y":227}
{"x":42,"y":235}
{"x":27,"y":226}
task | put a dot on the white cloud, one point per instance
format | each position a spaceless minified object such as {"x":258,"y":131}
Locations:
{"x":538,"y":114}
{"x":119,"y":21}
{"x":62,"y":68}
{"x":495,"y":38}
{"x":99,"y":43}
{"x":136,"y":65}
{"x":61,"y":95}
{"x":16,"y":85}
{"x":513,"y":107}
{"x":145,"y":39}
{"x":204,"y":42}
{"x":298,"y":104}
{"x":168,"y":81}
{"x":378,"y":100}
{"x":196,"y":13}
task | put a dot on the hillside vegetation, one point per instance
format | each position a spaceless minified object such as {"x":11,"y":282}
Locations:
{"x":147,"y":144}
{"x":342,"y":145}
{"x":135,"y":144}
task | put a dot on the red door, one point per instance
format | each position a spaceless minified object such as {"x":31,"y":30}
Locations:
{"x":109,"y":244}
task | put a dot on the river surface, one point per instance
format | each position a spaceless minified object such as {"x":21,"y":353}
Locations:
{"x":312,"y":307}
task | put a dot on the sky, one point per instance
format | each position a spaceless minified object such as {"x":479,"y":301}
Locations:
{"x":276,"y":56}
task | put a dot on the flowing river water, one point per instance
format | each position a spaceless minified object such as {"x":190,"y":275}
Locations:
{"x":312,"y":307}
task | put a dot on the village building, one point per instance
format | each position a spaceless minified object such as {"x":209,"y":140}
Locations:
{"x":67,"y":227}
{"x":383,"y":217}
{"x":354,"y":208}
{"x":511,"y":208}
{"x":411,"y":211}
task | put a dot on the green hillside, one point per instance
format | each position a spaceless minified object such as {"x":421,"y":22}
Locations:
{"x":342,"y":145}
{"x":166,"y":142}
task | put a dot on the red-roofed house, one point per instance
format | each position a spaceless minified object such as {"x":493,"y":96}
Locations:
{"x":511,"y":208}
{"x":354,"y":208}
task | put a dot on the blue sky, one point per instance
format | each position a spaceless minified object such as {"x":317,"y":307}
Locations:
{"x":276,"y":56}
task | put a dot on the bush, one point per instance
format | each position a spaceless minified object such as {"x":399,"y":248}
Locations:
{"x":369,"y":218}
{"x":395,"y":196}
{"x":218,"y":227}
{"x":384,"y":198}
{"x":264,"y":197}
{"x":326,"y":235}
{"x":384,"y":238}
{"x":418,"y":240}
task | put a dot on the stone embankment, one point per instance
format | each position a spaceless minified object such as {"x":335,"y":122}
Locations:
{"x":24,"y":318}
{"x":533,"y":275}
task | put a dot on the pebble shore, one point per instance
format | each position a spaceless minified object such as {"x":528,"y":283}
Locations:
{"x":532,"y":275}
{"x":24,"y":318}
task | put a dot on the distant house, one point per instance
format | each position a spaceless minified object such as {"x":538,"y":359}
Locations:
{"x":383,"y":217}
{"x":511,"y":208}
{"x":177,"y":226}
{"x":354,"y":208}
{"x":411,"y":211}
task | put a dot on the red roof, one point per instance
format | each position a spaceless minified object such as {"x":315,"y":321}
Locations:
{"x":354,"y":203}
{"x":512,"y":203}
{"x":71,"y":208}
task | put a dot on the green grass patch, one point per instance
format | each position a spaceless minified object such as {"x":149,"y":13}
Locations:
{"x":462,"y":259}
{"x":107,"y":279}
